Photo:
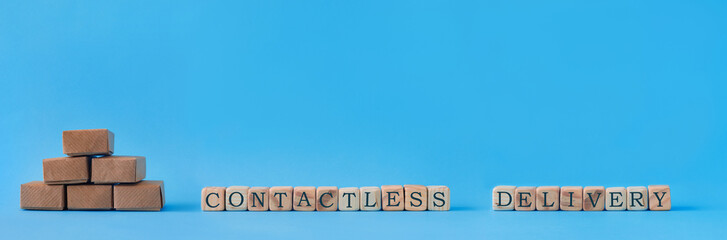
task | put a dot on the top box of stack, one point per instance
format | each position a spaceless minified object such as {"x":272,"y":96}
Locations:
{"x":88,"y":142}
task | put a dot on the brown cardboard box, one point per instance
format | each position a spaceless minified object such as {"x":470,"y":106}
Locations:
{"x":118,"y":169}
{"x":141,"y":196}
{"x":88,"y":142}
{"x":90,"y":197}
{"x":39,"y":196}
{"x":66,"y":170}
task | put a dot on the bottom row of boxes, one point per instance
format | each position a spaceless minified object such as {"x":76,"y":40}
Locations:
{"x":140,"y":196}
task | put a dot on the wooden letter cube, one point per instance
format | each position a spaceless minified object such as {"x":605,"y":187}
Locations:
{"x":637,"y":198}
{"x":348,"y":199}
{"x":304,"y":198}
{"x":525,"y":198}
{"x":141,"y":196}
{"x":615,"y":199}
{"x":415,"y":197}
{"x":327,"y":199}
{"x":90,"y":197}
{"x":438,"y":197}
{"x":571,"y":198}
{"x":39,"y":196}
{"x":88,"y":142}
{"x":213,"y":199}
{"x":547,"y":198}
{"x":66,"y":170}
{"x":593,"y":198}
{"x":258,"y":198}
{"x":370,"y":199}
{"x":659,"y":198}
{"x":281,"y":198}
{"x":118,"y":169}
{"x":502,"y":198}
{"x":392,"y":197}
{"x":236,"y":199}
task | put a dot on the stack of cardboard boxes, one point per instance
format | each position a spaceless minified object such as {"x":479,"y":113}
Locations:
{"x":91,"y":178}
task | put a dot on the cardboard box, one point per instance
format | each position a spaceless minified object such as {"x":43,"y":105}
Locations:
{"x":88,"y":142}
{"x":90,"y":197}
{"x":118,"y":169}
{"x":39,"y":196}
{"x":66,"y":170}
{"x":141,"y":196}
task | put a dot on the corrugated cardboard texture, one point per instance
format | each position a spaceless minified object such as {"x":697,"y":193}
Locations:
{"x":90,"y":197}
{"x":88,"y":142}
{"x":66,"y":170}
{"x":141,"y":196}
{"x":39,"y":196}
{"x":118,"y":169}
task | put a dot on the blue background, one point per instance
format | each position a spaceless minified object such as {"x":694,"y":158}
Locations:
{"x":469,"y":94}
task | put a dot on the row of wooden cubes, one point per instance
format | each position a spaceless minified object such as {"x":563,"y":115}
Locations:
{"x":101,"y":170}
{"x":577,"y":198}
{"x":140,"y":196}
{"x":287,"y":198}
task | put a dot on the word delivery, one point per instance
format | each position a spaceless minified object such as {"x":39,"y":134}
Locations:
{"x":287,"y":198}
{"x":576,"y":198}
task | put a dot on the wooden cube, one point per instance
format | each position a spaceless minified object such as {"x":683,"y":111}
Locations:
{"x":348,"y":199}
{"x":213,"y":199}
{"x":88,"y":142}
{"x":415,"y":197}
{"x":593,"y":198}
{"x":392,"y":197}
{"x":547,"y":198}
{"x":327,"y":198}
{"x":118,"y":169}
{"x":304,"y":198}
{"x":258,"y":199}
{"x":525,"y":198}
{"x":637,"y":198}
{"x":502,"y":198}
{"x":90,"y":197}
{"x":615,"y":199}
{"x":39,"y":196}
{"x":370,"y":198}
{"x":571,"y":198}
{"x":236,"y":198}
{"x":141,"y":196}
{"x":438,"y":198}
{"x":281,"y":198}
{"x":66,"y":170}
{"x":659,"y":198}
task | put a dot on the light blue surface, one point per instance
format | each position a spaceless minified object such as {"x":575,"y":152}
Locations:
{"x":470,"y":94}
